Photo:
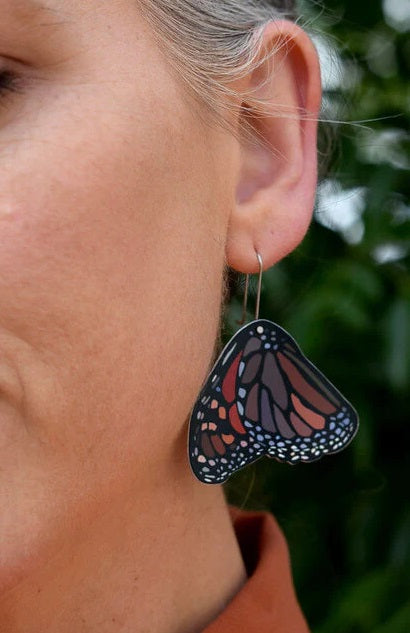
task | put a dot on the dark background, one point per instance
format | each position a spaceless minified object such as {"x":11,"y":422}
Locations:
{"x":344,"y":295}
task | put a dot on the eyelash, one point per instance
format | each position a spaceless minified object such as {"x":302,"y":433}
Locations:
{"x":8,"y":83}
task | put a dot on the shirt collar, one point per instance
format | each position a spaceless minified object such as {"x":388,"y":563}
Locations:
{"x":267,"y":602}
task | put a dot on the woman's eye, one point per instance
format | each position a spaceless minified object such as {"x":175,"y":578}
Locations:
{"x":9,"y":83}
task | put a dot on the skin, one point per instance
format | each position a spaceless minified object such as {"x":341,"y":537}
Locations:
{"x":119,"y":209}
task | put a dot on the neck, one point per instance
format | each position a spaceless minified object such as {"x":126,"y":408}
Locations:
{"x":164,"y":560}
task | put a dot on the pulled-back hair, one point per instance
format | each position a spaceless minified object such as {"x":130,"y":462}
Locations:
{"x":212,"y":43}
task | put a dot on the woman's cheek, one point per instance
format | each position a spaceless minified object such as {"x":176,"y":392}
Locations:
{"x":93,"y":283}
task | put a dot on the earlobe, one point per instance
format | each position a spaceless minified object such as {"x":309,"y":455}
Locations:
{"x":277,"y":178}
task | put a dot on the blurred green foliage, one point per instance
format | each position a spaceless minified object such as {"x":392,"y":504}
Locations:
{"x":344,"y":295}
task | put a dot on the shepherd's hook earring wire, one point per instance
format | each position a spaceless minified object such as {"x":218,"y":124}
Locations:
{"x":258,"y":294}
{"x":264,"y":397}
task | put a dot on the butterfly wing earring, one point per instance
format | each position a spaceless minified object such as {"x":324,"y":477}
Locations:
{"x":264,"y":397}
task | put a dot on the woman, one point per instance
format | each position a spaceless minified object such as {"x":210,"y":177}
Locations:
{"x":146,"y":147}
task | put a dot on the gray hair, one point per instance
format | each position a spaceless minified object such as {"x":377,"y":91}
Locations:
{"x":211,"y":43}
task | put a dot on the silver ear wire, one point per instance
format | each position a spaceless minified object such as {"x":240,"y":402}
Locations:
{"x":258,"y":294}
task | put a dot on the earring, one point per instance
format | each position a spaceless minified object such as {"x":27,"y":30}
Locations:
{"x":264,"y":397}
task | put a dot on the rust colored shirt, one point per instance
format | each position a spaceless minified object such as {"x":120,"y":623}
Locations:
{"x":267,"y":602}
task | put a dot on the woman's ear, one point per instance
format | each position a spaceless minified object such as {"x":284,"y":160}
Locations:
{"x":276,"y":181}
